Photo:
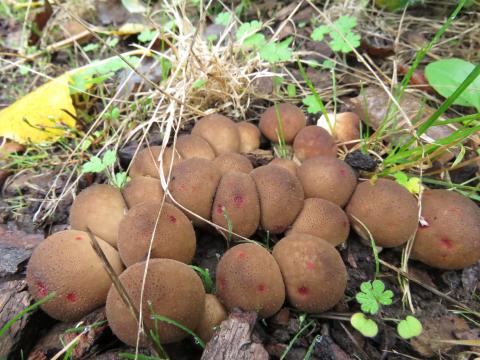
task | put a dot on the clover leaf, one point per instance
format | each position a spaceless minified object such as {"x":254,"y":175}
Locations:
{"x":223,"y":18}
{"x":274,"y":52}
{"x":339,"y":44}
{"x":412,"y":184}
{"x":345,"y":23}
{"x":372,"y":295}
{"x":248,"y":29}
{"x":367,"y":327}
{"x":313,"y":105}
{"x":410,"y":327}
{"x":95,"y":165}
{"x":319,"y":33}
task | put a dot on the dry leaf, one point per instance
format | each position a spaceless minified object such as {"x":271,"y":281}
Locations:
{"x":40,"y":116}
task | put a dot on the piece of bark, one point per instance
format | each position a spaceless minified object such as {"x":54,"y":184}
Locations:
{"x":14,"y":298}
{"x":233,"y":340}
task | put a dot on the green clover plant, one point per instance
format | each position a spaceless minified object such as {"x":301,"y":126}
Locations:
{"x":342,"y":37}
{"x":97,"y":165}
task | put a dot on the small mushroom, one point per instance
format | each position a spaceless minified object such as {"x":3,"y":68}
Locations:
{"x":212,"y":317}
{"x":142,"y":188}
{"x":450,"y":237}
{"x":313,"y":141}
{"x":172,"y":289}
{"x":287,"y":164}
{"x":388,"y":211}
{"x":236,"y":202}
{"x":146,"y":162}
{"x":66,"y":264}
{"x":345,"y":126}
{"x":328,"y":178}
{"x":249,"y":278}
{"x":323,"y":219}
{"x":220,"y":132}
{"x":190,"y":146}
{"x":100,"y":208}
{"x":193,"y":185}
{"x":292,"y":119}
{"x":281,"y":197}
{"x":169,"y":228}
{"x":233,"y":162}
{"x":313,"y":271}
{"x":249,"y":137}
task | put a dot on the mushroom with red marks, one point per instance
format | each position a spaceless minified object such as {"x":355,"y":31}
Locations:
{"x":313,"y":141}
{"x":290,"y":117}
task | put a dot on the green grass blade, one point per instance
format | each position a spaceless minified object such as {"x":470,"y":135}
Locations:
{"x":295,"y":338}
{"x":184,"y":328}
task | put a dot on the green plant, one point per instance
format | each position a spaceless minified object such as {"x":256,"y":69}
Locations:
{"x":177,"y":324}
{"x":97,"y":165}
{"x":206,"y":278}
{"x":372,"y":295}
{"x":412,"y":184}
{"x":342,"y":37}
{"x":282,"y":146}
{"x":302,"y":328}
{"x":446,"y":75}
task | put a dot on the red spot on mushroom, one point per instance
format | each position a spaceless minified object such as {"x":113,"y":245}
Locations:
{"x":79,"y":237}
{"x":41,"y":289}
{"x":261,"y":288}
{"x":238,"y":200}
{"x":222,"y":283}
{"x":302,"y":290}
{"x":310,"y":265}
{"x":446,"y":243}
{"x":172,"y":219}
{"x":241,"y":255}
{"x":71,"y":297}
{"x":219,"y":209}
{"x":343,"y":172}
{"x":456,"y":210}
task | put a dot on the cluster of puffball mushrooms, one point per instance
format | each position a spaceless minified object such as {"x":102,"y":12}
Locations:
{"x":313,"y":204}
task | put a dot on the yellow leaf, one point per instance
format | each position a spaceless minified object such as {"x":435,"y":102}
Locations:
{"x":39,"y":116}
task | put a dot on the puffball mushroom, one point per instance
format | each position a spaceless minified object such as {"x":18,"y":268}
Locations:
{"x":451,"y":240}
{"x":344,"y":127}
{"x":100,"y":208}
{"x":292,"y":119}
{"x":287,"y":164}
{"x":328,"y":178}
{"x":171,"y":230}
{"x":237,"y":200}
{"x":313,"y":141}
{"x":323,"y":219}
{"x":212,"y":317}
{"x":66,"y":264}
{"x":249,"y":136}
{"x":142,"y":188}
{"x":220,"y":132}
{"x":249,"y":278}
{"x":172,"y":288}
{"x":146,"y":162}
{"x":193,"y":185}
{"x":190,"y":146}
{"x":281,"y":197}
{"x":233,"y":162}
{"x":387,"y":209}
{"x":313,"y":271}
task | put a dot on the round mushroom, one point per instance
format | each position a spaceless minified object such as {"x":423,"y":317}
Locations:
{"x":142,"y":188}
{"x":191,"y":146}
{"x":292,"y":119}
{"x":172,"y":233}
{"x":212,"y":317}
{"x":249,"y":137}
{"x":287,"y":164}
{"x":66,"y":264}
{"x":450,"y":239}
{"x":220,"y":132}
{"x":281,"y":197}
{"x":323,"y":219}
{"x":146,"y":162}
{"x":100,"y":208}
{"x":346,"y":127}
{"x":249,"y":278}
{"x":172,"y":289}
{"x":233,"y":162}
{"x":388,"y":211}
{"x":328,"y":178}
{"x":313,"y":141}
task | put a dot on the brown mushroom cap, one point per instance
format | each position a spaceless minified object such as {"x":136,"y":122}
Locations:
{"x":172,"y":288}
{"x":328,"y":178}
{"x":249,"y":137}
{"x":146,"y":162}
{"x":313,"y":271}
{"x":452,"y":238}
{"x":287,"y":164}
{"x":314,"y":141}
{"x":66,"y":264}
{"x":193,"y":185}
{"x":237,"y":198}
{"x":323,"y":219}
{"x":292,"y":118}
{"x":190,"y":146}
{"x":172,"y":232}
{"x":99,"y":207}
{"x":233,"y":162}
{"x":142,"y":188}
{"x":387,"y":209}
{"x":213,"y":315}
{"x":220,"y":132}
{"x":281,"y":197}
{"x":346,"y":127}
{"x":249,"y":278}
